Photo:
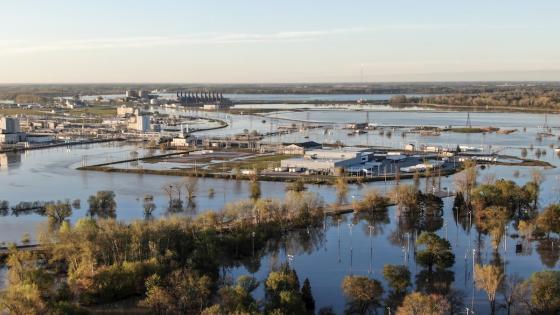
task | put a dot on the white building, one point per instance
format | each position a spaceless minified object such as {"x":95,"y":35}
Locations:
{"x":9,"y":125}
{"x":124,"y":110}
{"x":328,"y":160}
{"x":180,"y":142}
{"x":131,"y":93}
{"x":143,"y":123}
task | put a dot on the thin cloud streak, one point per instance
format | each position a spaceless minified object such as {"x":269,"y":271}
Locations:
{"x":22,"y":47}
{"x":11,"y":47}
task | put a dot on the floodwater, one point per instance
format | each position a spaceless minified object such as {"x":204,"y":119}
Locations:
{"x":340,"y":248}
{"x":280,"y":97}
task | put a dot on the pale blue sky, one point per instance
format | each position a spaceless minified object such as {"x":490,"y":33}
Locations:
{"x":278,"y":41}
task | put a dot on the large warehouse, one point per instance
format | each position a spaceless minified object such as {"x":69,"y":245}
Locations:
{"x":328,"y":160}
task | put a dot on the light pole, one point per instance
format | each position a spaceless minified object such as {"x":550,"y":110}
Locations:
{"x":350,"y":225}
{"x":338,"y":228}
{"x":505,"y":239}
{"x":370,"y":227}
{"x":253,"y":240}
{"x":473,"y":255}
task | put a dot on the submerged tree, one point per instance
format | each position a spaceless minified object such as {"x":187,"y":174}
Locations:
{"x":237,"y":299}
{"x":398,"y":277}
{"x":283,"y":294}
{"x":191,"y":187}
{"x":372,"y":201}
{"x":489,"y":278}
{"x":548,"y":220}
{"x":512,"y":293}
{"x":103,"y":204}
{"x":436,"y":251}
{"x":466,"y":180}
{"x":58,"y":212}
{"x":426,"y":304}
{"x":363,"y":294}
{"x":255,"y":190}
{"x":307,"y":296}
{"x":341,"y":185}
{"x":181,"y":292}
{"x":297,"y":185}
{"x":542,"y":292}
{"x":148,"y":205}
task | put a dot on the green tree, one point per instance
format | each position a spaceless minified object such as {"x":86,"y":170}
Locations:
{"x":235,"y":299}
{"x":459,"y":202}
{"x":489,"y":278}
{"x":183,"y":292}
{"x":398,"y":277}
{"x":283,"y":293}
{"x":23,"y":299}
{"x":426,"y":304}
{"x":149,"y":205}
{"x":436,"y":251}
{"x":298,"y":185}
{"x":372,"y":201}
{"x":543,"y":292}
{"x":549,"y":220}
{"x":103,"y":204}
{"x":493,"y":220}
{"x":255,"y":189}
{"x":363,"y":294}
{"x":307,"y":296}
{"x":58,"y":212}
{"x":341,"y":185}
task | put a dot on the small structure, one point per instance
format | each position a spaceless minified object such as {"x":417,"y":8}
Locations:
{"x":10,"y":130}
{"x":357,"y":126}
{"x":143,"y":123}
{"x":124,"y":111}
{"x":9,"y":125}
{"x":299,"y":148}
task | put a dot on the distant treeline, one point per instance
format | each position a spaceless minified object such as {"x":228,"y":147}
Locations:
{"x":522,"y":98}
{"x":55,"y":90}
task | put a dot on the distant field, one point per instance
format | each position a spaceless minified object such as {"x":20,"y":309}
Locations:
{"x":20,"y":111}
{"x":101,"y":111}
{"x":259,"y":162}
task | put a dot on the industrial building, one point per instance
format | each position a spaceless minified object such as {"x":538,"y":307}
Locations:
{"x":329,"y":160}
{"x":9,"y":130}
{"x":9,"y":125}
{"x":143,"y":123}
{"x":202,"y":99}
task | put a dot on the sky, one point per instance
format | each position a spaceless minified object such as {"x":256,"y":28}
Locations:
{"x":284,"y":41}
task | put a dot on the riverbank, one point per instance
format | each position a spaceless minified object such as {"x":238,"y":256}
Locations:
{"x":481,"y":109}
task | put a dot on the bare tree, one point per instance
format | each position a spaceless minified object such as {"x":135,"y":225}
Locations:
{"x":512,"y":292}
{"x":191,"y":187}
{"x":169,"y":190}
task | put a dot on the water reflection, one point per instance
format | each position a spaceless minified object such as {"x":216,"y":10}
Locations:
{"x":324,"y":254}
{"x":10,"y":160}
